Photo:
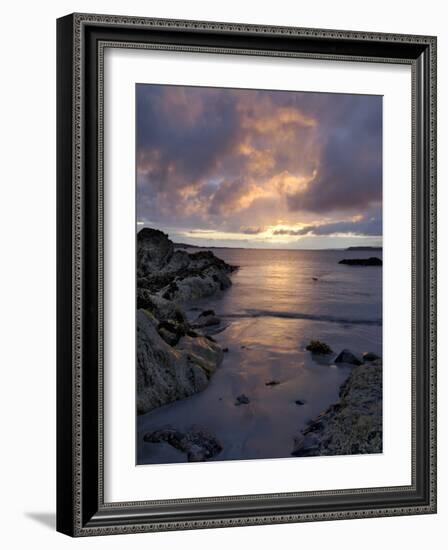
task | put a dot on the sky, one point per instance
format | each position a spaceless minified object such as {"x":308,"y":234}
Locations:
{"x":259,"y":168}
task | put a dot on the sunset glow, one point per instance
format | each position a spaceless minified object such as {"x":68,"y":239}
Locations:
{"x":259,"y":169}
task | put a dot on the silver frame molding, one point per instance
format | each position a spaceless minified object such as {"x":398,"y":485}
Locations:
{"x":82,"y":39}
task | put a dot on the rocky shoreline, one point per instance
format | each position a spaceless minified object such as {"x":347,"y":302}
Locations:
{"x":175,"y":359}
{"x":177,"y":356}
{"x":354,"y":424}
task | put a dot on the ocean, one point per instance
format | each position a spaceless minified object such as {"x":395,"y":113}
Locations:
{"x":278,"y":302}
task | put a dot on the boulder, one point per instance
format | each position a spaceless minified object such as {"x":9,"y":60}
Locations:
{"x":177,"y":275}
{"x":346,"y":356}
{"x":353,"y":425}
{"x":207,"y":318}
{"x":171,"y":332}
{"x":179,"y":261}
{"x":166,"y":373}
{"x":320,"y":348}
{"x":196,"y":443}
{"x":242,"y":400}
{"x":195,"y":285}
{"x":162,"y":309}
{"x":205,"y":259}
{"x":202,"y":351}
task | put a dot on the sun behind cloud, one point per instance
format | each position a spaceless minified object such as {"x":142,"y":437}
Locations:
{"x":225,"y":165}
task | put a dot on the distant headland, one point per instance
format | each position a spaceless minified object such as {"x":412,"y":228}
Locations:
{"x":358,"y":248}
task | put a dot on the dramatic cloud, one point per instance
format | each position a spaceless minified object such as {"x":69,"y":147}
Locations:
{"x":252,"y":230}
{"x":266,"y":164}
{"x":350,"y":168}
{"x":371,"y":226}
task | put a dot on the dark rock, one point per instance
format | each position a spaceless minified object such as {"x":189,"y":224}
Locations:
{"x":225,"y":350}
{"x":196,"y":285}
{"x":362,"y":261}
{"x":299,"y":402}
{"x":346,"y":356}
{"x":174,"y":360}
{"x":316,"y":426}
{"x":206,"y":258}
{"x":314,"y":278}
{"x":206,"y":319}
{"x":320,"y":348}
{"x":177,"y":275}
{"x":370,"y":356}
{"x":165,"y":373}
{"x":197,"y":444}
{"x":306,"y":446}
{"x":242,"y":400}
{"x":160,"y":308}
{"x":272,"y":383}
{"x":351,"y":426}
{"x":169,"y":337}
{"x":169,"y":292}
{"x":171,"y":331}
{"x":154,"y":251}
{"x":155,"y":282}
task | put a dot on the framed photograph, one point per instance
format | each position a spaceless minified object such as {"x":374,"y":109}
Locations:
{"x":246,"y":274}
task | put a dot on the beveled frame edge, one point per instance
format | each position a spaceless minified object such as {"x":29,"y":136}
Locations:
{"x":71,"y":259}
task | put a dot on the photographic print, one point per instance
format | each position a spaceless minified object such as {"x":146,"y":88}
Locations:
{"x":220,"y":277}
{"x":259,"y":274}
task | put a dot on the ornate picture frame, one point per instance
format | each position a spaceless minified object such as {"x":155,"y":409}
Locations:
{"x":81,"y":506}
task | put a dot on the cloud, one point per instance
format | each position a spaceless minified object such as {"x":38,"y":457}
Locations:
{"x":225,"y":159}
{"x":186,"y":129}
{"x":371,"y":226}
{"x":350,"y":169}
{"x":232,"y":195}
{"x":251,"y":230}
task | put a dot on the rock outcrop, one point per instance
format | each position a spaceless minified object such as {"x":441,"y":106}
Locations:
{"x":174,"y":359}
{"x":362,"y":261}
{"x":207,"y":318}
{"x":346,"y":356}
{"x":370,"y":356}
{"x":167,"y":372}
{"x":177,"y":275}
{"x":319,"y":348}
{"x":242,"y":400}
{"x":354,"y":424}
{"x":198,"y":444}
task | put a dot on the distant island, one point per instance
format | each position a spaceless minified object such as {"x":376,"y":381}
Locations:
{"x":362,"y":261}
{"x":185,"y":245}
{"x":358,"y":248}
{"x":352,"y":248}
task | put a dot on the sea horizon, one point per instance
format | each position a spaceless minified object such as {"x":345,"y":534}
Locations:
{"x":350,"y":248}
